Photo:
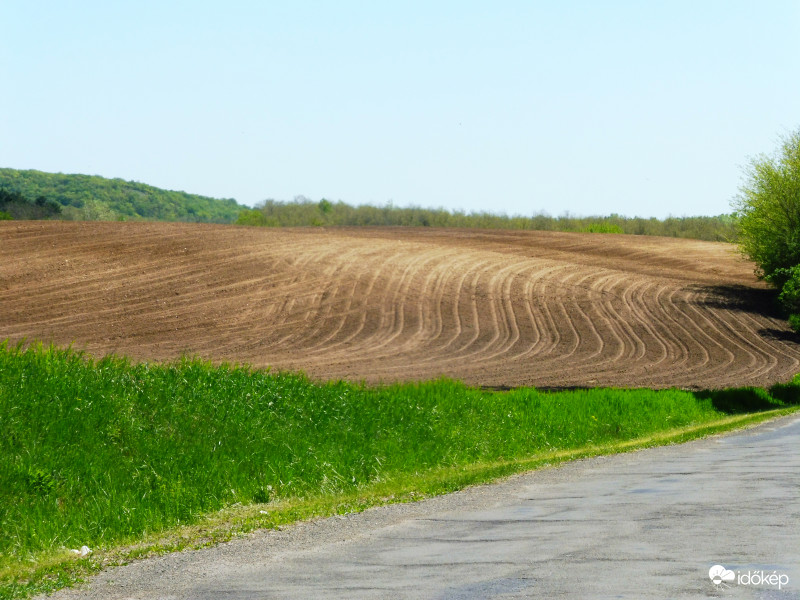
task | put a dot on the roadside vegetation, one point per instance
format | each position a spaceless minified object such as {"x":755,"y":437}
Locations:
{"x":303,"y":212}
{"x":768,"y":209}
{"x":130,"y":459}
{"x":94,"y":198}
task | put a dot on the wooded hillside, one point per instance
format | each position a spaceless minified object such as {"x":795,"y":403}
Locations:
{"x":95,"y":198}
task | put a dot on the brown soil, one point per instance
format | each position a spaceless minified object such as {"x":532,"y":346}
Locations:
{"x":493,"y":308}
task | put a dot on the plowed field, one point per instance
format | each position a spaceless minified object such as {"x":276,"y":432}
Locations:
{"x":493,"y":308}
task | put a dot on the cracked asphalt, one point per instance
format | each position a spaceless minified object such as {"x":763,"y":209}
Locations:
{"x":647,"y":524}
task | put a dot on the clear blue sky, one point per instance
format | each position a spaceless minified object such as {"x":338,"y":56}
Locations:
{"x":639,"y":108}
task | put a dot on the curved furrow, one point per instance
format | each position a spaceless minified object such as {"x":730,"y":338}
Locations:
{"x":444,"y":324}
{"x":420,"y":307}
{"x":623,"y":310}
{"x":410,"y":306}
{"x":659,"y":344}
{"x":574,"y":296}
{"x":657,"y":313}
{"x":550,"y":336}
{"x":594,"y":344}
{"x":333,"y":305}
{"x":468,"y":311}
{"x":337,"y":314}
{"x":566,"y":333}
{"x":584,"y":309}
{"x":371,"y":326}
{"x":390,"y":325}
{"x":509,"y":312}
{"x":708,"y":355}
{"x":463,"y":312}
{"x":729,"y":328}
{"x":622,"y":307}
{"x":541,"y":341}
{"x":761,"y":333}
{"x":401,"y":312}
{"x":500,"y":327}
{"x":604,"y":320}
{"x":520,"y":312}
{"x":351,"y":319}
{"x":747,"y":330}
{"x":670,"y":313}
{"x":767,"y":331}
{"x":493,"y":308}
{"x":449,"y":296}
{"x":744,"y":362}
{"x":716,"y":336}
{"x":528,"y":333}
{"x":482,"y":301}
{"x":453,"y":273}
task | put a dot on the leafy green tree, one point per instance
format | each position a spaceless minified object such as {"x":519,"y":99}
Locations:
{"x":790,"y":296}
{"x":768,"y":207}
{"x":251,"y":217}
{"x":769,"y":211}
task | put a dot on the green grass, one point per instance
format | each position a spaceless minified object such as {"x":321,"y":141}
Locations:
{"x":110,"y":454}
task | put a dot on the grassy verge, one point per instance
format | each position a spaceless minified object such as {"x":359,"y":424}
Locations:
{"x":134,"y":459}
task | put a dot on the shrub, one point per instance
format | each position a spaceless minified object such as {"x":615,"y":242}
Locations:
{"x":769,"y":222}
{"x":769,"y":212}
{"x":790,"y":292}
{"x":251,"y":217}
{"x":602,"y":228}
{"x":789,"y":297}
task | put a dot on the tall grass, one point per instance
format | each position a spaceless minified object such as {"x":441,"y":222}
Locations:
{"x":97,"y":451}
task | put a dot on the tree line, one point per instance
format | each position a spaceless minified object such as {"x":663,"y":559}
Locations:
{"x":303,"y":212}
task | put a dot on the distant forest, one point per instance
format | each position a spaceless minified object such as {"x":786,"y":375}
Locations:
{"x":305,"y":212}
{"x":39,"y":195}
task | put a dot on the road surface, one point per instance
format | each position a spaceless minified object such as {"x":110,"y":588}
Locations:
{"x":649,"y":524}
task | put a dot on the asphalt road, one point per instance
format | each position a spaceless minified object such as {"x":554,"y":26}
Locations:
{"x":648,"y":524}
